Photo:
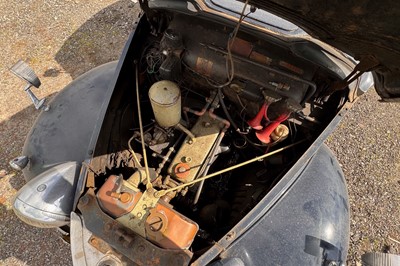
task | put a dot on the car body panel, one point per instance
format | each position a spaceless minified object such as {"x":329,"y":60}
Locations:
{"x":63,"y":133}
{"x":309,"y":222}
{"x":365,"y":30}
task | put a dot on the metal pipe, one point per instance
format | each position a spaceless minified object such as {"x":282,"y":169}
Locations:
{"x":216,"y":117}
{"x":187,"y":131}
{"x":166,"y":157}
{"x":198,"y":113}
{"x":257,"y":158}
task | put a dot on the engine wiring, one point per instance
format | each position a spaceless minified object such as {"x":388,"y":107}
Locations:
{"x":229,"y":59}
{"x":225,"y":109}
{"x":153,"y":59}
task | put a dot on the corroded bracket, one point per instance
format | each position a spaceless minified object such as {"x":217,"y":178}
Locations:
{"x":125,"y":241}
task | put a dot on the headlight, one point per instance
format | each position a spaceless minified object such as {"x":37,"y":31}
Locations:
{"x":46,"y":201}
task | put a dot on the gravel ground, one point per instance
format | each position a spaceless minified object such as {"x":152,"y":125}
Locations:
{"x":62,"y":39}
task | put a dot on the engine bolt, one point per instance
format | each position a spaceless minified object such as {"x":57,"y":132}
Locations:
{"x":108,"y":226}
{"x":156,"y":223}
{"x":181,"y":169}
{"x":124,"y":197}
{"x":187,"y":159}
{"x":206,"y":124}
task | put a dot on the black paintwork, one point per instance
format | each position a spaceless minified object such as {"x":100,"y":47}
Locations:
{"x":287,"y":225}
{"x":310,"y":222}
{"x":63,"y":133}
{"x":361,"y":29}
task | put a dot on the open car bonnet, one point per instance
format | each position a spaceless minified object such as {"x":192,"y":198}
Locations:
{"x":366,"y":30}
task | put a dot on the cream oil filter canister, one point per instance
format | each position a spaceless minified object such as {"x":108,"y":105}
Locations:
{"x":165,"y":99}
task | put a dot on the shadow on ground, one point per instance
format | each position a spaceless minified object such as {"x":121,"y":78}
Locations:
{"x":99,"y":40}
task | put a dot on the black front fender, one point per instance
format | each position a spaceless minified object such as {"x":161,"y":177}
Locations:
{"x":309,"y":225}
{"x":64,"y":132}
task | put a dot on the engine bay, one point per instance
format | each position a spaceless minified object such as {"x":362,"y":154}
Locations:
{"x":205,"y":125}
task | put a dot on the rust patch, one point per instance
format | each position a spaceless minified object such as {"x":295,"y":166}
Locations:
{"x":169,"y":229}
{"x":241,"y":47}
{"x":260,"y":58}
{"x":90,"y":179}
{"x":99,"y":244}
{"x":79,"y":255}
{"x":124,"y":240}
{"x":117,"y":204}
{"x":291,"y":67}
{"x":182,"y":170}
{"x":204,"y":66}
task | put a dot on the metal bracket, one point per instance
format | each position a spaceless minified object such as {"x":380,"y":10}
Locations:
{"x":124,"y":240}
{"x":39,"y":104}
{"x":24,"y":72}
{"x":366,"y":64}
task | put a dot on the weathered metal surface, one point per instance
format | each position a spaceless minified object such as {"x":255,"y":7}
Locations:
{"x":124,"y":240}
{"x":260,"y":58}
{"x":146,"y":215}
{"x":206,"y":131}
{"x":136,"y":218}
{"x":241,"y":47}
{"x":99,"y":244}
{"x":80,"y":99}
{"x":291,"y":67}
{"x":113,"y":204}
{"x":46,"y":201}
{"x":165,"y":99}
{"x":88,"y":249}
{"x":170,"y":229}
{"x":204,"y":66}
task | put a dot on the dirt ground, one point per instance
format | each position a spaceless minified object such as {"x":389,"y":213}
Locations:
{"x":62,"y":39}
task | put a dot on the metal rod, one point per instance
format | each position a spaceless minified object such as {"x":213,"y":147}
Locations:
{"x":163,"y":192}
{"x":148,"y":185}
{"x":207,"y":166}
{"x":133,"y":152}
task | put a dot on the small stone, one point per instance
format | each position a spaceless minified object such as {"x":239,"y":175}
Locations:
{"x":3,"y":173}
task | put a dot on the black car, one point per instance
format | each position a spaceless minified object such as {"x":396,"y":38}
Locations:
{"x":203,"y":144}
